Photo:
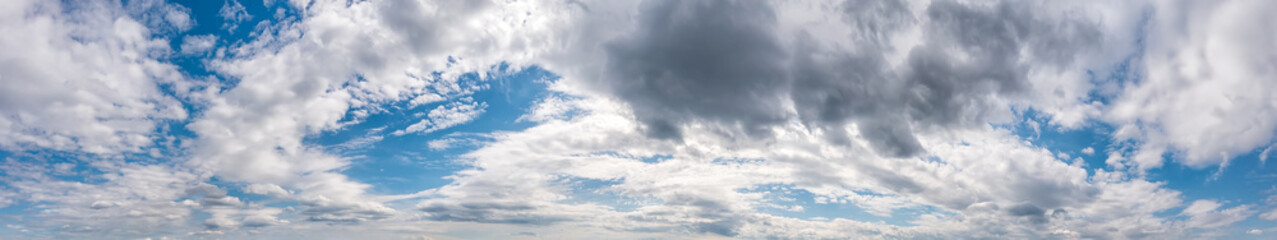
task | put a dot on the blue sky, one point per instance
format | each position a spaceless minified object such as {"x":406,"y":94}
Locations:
{"x":407,"y":119}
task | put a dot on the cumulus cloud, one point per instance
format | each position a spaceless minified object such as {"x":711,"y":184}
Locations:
{"x":87,"y":80}
{"x":1200,"y":97}
{"x":751,"y":66}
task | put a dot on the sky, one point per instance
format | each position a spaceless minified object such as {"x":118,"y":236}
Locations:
{"x":653,"y":119}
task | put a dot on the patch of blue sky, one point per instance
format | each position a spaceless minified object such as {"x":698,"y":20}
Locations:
{"x":208,"y":20}
{"x":1246,"y":180}
{"x":1192,"y":182}
{"x":656,"y":158}
{"x":406,"y":163}
{"x":1035,"y":128}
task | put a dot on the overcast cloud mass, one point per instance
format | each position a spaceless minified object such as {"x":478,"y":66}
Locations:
{"x":643,"y":119}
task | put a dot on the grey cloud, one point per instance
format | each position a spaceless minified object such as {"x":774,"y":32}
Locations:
{"x":221,"y":201}
{"x":700,"y":59}
{"x":1034,"y":213}
{"x":725,"y":62}
{"x":694,"y":211}
{"x":412,"y":25}
{"x":877,"y":18}
{"x":723,"y":220}
{"x":260,"y":221}
{"x":220,"y":223}
{"x":349,"y":213}
{"x":213,"y":196}
{"x":489,"y":212}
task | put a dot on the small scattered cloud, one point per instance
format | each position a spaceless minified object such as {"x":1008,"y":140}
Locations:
{"x":233,"y":13}
{"x":446,"y":116}
{"x":198,"y":44}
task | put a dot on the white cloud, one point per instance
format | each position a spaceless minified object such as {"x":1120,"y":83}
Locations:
{"x":127,"y":199}
{"x":441,"y":144}
{"x":83,"y":81}
{"x":549,"y":108}
{"x":1270,"y":215}
{"x":1206,"y":214}
{"x":6,"y":199}
{"x":523,"y":178}
{"x":267,"y":189}
{"x":1201,"y":97}
{"x":196,"y":44}
{"x":233,"y":13}
{"x":1263,"y":155}
{"x":443,"y":117}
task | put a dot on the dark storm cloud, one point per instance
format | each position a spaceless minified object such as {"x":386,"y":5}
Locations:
{"x":723,"y":62}
{"x":701,"y":59}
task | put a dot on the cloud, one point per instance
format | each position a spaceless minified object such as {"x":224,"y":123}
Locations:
{"x":443,"y":117}
{"x":196,"y":44}
{"x":1270,"y":215}
{"x":1206,"y":214}
{"x":677,"y":65}
{"x":125,"y":200}
{"x":675,"y":68}
{"x":103,"y":96}
{"x":1197,"y":96}
{"x":290,"y":86}
{"x":526,"y":178}
{"x":549,"y":108}
{"x":267,"y":189}
{"x":159,"y":15}
{"x":233,"y":13}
